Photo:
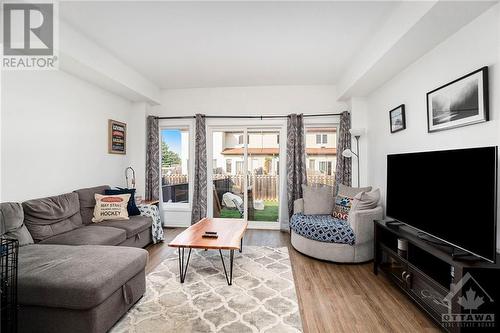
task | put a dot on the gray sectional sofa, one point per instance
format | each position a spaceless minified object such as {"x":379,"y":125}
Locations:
{"x":72,"y":277}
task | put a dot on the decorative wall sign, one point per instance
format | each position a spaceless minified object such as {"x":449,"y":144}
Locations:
{"x":397,"y":118}
{"x":459,"y":103}
{"x":117,"y":137}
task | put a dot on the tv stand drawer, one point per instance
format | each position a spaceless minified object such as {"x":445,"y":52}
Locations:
{"x":427,"y":292}
{"x":394,"y":266}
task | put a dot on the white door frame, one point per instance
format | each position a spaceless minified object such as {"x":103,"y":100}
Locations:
{"x":228,"y":125}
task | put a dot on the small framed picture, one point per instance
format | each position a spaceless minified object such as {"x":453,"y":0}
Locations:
{"x":397,"y":118}
{"x":459,"y":103}
{"x":117,"y":137}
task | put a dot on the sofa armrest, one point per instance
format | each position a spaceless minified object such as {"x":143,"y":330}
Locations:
{"x":361,"y":222}
{"x":298,"y":206}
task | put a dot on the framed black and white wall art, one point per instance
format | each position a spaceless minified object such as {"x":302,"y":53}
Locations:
{"x":459,"y":103}
{"x":397,"y":118}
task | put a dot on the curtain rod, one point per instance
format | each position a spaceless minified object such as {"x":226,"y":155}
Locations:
{"x":253,"y":117}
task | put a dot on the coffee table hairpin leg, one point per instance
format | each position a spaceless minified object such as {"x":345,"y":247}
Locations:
{"x":182,"y":269}
{"x":231,"y":259}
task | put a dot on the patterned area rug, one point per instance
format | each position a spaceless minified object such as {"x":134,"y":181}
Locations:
{"x":261,"y":299}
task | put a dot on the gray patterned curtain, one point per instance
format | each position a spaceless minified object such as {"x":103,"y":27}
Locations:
{"x":153,"y":163}
{"x":296,"y":161}
{"x":343,"y":170}
{"x":153,"y":159}
{"x":200,"y":171}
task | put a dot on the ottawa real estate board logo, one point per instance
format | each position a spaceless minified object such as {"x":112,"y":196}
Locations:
{"x":29,"y":36}
{"x":473,"y":299}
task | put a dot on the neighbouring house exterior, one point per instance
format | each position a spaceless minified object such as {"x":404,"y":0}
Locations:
{"x":263,"y":162}
{"x":263,"y":152}
{"x":321,"y":151}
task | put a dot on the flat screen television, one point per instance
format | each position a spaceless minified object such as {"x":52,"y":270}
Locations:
{"x":450,"y":195}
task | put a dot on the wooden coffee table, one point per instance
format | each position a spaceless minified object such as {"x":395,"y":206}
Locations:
{"x":230,"y":232}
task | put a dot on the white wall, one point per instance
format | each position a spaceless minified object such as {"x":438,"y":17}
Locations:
{"x":474,"y":46}
{"x":136,"y":144}
{"x":83,"y":58}
{"x":54,"y":132}
{"x":249,"y":100}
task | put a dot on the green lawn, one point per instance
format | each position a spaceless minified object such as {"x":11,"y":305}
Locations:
{"x":270,"y":212}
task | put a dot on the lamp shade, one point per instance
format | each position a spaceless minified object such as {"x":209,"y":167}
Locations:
{"x":347,"y":153}
{"x":357,"y":131}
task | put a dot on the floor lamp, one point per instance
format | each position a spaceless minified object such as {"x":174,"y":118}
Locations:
{"x":348,"y":153}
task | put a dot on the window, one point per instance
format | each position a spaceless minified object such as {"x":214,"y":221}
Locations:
{"x":240,"y":139}
{"x":325,"y":167}
{"x":175,"y":165}
{"x":321,"y":139}
{"x":321,"y":155}
{"x":239,"y":167}
{"x":229,"y":164}
{"x":278,"y":139}
{"x":312,"y":164}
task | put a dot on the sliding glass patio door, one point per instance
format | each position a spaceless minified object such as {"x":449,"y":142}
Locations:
{"x":228,"y":174}
{"x":246,"y":174}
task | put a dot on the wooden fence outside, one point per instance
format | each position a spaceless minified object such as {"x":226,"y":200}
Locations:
{"x":321,"y":179}
{"x":174,"y":179}
{"x":265,"y":187}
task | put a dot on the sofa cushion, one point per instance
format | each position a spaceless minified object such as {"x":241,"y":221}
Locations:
{"x":365,"y":200}
{"x":323,"y":228}
{"x":87,"y":201}
{"x":75,"y":277}
{"x":350,"y":192}
{"x":11,"y":223}
{"x":131,"y":206}
{"x":88,"y":235}
{"x":132,"y":227}
{"x":318,"y":200}
{"x":48,"y":217}
{"x":344,"y":199}
{"x":110,"y":207}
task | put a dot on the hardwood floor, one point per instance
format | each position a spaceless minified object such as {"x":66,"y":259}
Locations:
{"x":333,"y":297}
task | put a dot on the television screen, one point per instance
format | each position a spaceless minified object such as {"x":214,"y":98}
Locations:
{"x":450,"y":195}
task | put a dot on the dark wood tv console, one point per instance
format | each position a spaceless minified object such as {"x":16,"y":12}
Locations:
{"x":430,"y":276}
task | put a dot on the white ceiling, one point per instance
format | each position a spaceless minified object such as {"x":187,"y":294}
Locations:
{"x":214,"y":44}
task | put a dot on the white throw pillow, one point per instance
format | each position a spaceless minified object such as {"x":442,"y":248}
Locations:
{"x":110,"y":207}
{"x":318,"y":200}
{"x":366,"y":200}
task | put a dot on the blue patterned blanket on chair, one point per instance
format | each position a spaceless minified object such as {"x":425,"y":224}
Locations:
{"x":323,"y":228}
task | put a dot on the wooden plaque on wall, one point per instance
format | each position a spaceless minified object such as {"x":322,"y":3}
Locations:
{"x":117,"y":137}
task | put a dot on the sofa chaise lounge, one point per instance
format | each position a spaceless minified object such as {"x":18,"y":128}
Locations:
{"x":74,"y":278}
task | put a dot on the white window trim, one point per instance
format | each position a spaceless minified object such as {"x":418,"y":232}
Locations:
{"x":176,"y":124}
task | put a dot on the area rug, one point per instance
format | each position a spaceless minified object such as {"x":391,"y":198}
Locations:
{"x":261,"y":299}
